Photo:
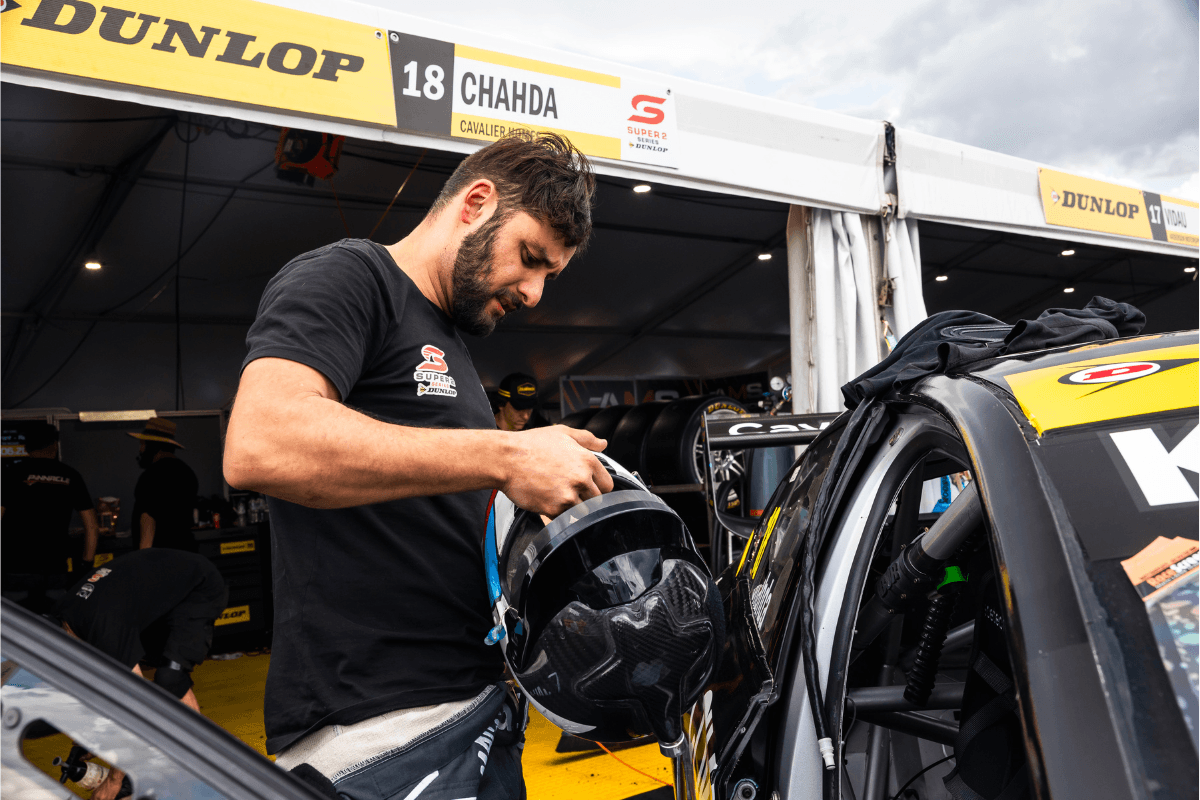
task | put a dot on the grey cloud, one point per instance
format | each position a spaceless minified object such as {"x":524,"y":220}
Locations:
{"x":1071,"y":84}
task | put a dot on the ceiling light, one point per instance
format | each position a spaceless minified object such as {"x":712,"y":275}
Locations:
{"x":1068,"y":252}
{"x":641,"y":188}
{"x":764,"y":256}
{"x":1189,"y":269}
{"x":941,"y":278}
{"x":92,"y":265}
{"x":1069,"y":289}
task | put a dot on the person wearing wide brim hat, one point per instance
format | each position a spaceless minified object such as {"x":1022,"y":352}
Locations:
{"x":159,"y":430}
{"x":165,"y":495}
{"x":518,"y":398}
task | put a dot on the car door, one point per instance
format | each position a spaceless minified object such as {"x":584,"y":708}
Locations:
{"x":59,"y":691}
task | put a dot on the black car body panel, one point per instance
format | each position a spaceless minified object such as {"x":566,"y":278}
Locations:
{"x":170,"y":752}
{"x":1062,"y":510}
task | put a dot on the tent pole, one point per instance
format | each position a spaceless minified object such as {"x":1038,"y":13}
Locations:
{"x":801,"y":319}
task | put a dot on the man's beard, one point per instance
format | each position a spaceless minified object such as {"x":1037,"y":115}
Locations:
{"x":471,"y":281}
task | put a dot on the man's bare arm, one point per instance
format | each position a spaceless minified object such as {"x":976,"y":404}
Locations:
{"x":290,"y":437}
{"x":146,"y":530}
{"x":91,"y":533}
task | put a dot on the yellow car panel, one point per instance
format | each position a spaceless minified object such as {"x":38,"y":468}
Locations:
{"x":1099,"y":387}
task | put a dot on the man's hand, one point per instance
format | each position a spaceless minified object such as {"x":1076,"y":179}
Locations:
{"x":554,"y":469}
{"x":290,"y":437}
{"x":146,"y":526}
{"x":111,"y":786}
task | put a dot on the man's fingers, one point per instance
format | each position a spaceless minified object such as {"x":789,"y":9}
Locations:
{"x":601,"y":478}
{"x":586,"y":438}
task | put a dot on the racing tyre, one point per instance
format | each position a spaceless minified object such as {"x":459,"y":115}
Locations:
{"x":579,"y":419}
{"x":628,"y":444}
{"x":675,"y":443}
{"x":605,"y":422}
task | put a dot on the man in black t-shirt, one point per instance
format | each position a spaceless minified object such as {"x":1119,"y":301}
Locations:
{"x":39,"y":495}
{"x":360,"y":414}
{"x":115,"y":605}
{"x":165,"y":495}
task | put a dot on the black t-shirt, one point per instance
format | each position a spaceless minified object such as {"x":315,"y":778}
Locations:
{"x":166,"y":491}
{"x":38,"y":496}
{"x":377,"y":607}
{"x":111,"y":607}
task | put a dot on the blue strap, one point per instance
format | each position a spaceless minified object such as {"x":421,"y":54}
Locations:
{"x":492,"y":569}
{"x":490,"y":564}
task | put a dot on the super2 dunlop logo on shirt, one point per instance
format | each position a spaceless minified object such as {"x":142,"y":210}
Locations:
{"x":431,"y":374}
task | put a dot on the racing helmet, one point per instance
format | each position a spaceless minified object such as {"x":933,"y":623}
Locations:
{"x":607,"y":615}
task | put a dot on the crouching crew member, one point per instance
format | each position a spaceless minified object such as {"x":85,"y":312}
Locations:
{"x":179,"y":593}
{"x":112,"y":607}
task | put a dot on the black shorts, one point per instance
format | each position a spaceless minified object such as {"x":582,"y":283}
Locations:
{"x":477,"y":755}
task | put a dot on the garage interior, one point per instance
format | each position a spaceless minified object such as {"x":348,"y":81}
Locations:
{"x":188,"y":220}
{"x":672,"y":284}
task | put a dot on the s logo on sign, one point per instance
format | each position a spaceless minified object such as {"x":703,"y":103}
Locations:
{"x":648,"y":109}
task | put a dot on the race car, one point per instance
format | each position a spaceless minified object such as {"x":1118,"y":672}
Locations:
{"x":1036,"y":638}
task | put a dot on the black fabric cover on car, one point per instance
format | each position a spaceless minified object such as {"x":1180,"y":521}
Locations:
{"x":948,"y":340}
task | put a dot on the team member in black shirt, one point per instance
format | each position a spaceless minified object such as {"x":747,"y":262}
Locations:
{"x":165,"y":495}
{"x":518,"y":398}
{"x":117,"y":603}
{"x":360,"y":414}
{"x":39,"y":494}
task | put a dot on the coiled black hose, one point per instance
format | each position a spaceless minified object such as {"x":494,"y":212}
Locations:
{"x":929,"y":649}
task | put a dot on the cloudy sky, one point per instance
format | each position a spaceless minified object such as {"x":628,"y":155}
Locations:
{"x":1104,"y":88}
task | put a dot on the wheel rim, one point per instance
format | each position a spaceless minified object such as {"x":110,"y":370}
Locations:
{"x":727,"y":464}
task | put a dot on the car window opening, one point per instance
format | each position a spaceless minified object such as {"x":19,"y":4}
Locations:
{"x":916,"y":672}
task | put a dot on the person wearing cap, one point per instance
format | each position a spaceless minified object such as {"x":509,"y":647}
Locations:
{"x":518,"y":397}
{"x":165,"y":495}
{"x":39,"y":495}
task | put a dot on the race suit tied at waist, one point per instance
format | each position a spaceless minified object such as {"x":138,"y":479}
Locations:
{"x":948,"y":340}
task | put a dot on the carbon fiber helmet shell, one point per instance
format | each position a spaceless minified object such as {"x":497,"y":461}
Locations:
{"x":607,"y":615}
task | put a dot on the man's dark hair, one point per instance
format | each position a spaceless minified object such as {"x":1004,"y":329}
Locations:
{"x":542,"y":174}
{"x":39,"y":435}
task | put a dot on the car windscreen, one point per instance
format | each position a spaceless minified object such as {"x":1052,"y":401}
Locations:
{"x":1130,"y":488}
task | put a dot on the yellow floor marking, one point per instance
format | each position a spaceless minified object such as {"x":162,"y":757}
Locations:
{"x":593,"y":774}
{"x":231,"y":693}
